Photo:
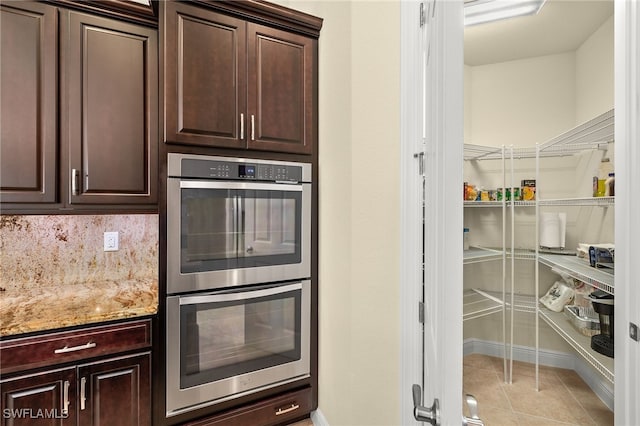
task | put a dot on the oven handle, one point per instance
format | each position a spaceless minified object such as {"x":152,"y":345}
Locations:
{"x":242,"y":295}
{"x":236,"y":224}
{"x":258,"y":186}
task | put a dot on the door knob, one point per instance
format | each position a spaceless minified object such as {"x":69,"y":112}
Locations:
{"x":423,"y":414}
{"x":473,"y":418}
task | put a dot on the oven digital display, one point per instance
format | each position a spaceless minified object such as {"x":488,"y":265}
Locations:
{"x":247,"y":170}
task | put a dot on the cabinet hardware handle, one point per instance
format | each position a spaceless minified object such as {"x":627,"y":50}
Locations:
{"x":65,"y":398}
{"x":289,"y":409}
{"x":75,"y":175}
{"x":241,"y":126}
{"x":74,"y":348}
{"x":253,"y":127}
{"x":83,"y":396}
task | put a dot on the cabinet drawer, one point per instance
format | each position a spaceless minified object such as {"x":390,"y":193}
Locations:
{"x":274,"y":411}
{"x":56,"y":348}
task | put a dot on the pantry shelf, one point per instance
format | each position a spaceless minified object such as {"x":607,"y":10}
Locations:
{"x":481,"y":254}
{"x":593,"y":134}
{"x":582,"y":344}
{"x":581,"y":270}
{"x":587,"y":201}
{"x":483,"y":203}
{"x":478,"y":303}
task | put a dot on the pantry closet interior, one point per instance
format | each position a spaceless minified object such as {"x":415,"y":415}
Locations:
{"x":538,"y":130}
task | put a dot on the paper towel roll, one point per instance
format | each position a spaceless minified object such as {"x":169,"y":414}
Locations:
{"x":552,"y":229}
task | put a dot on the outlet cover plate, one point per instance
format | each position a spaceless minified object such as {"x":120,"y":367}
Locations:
{"x":111,"y":241}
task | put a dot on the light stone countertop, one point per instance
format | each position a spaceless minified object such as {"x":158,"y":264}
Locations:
{"x":39,"y":308}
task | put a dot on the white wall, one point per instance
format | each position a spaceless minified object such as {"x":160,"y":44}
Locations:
{"x":531,"y":100}
{"x":522,"y":102}
{"x":594,"y":74}
{"x":359,"y":139}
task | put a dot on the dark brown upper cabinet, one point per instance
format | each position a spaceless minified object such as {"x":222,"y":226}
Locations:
{"x":236,"y":84}
{"x":29,"y":107}
{"x":79,"y":111}
{"x":205,"y":77}
{"x":110,"y":110}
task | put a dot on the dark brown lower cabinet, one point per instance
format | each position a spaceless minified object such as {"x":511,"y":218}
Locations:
{"x":279,"y":410}
{"x":39,"y":399}
{"x":113,"y":392}
{"x":93,"y":376}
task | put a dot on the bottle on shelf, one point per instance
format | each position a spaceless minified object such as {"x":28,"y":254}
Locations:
{"x":609,"y":185}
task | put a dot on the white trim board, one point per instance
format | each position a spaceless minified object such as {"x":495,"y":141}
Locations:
{"x":592,"y":378}
{"x":318,"y":419}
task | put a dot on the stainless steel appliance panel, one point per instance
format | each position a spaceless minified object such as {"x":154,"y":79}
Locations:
{"x":236,"y":227}
{"x":224,"y":344}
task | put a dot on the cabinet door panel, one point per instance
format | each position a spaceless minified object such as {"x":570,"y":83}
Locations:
{"x":111,"y":77}
{"x":204,"y":77}
{"x":281,"y":89}
{"x":28,"y":113}
{"x":115,"y":392}
{"x":39,"y":399}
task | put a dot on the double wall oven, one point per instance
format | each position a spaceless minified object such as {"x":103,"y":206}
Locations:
{"x":238,"y":277}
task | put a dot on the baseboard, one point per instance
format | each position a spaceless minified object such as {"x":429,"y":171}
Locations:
{"x":318,"y":419}
{"x":598,"y":384}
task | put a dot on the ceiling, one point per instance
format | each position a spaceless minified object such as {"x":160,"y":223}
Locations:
{"x":560,"y":26}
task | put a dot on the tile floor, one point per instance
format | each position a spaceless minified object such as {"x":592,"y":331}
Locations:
{"x":564,"y":398}
{"x":305,"y":422}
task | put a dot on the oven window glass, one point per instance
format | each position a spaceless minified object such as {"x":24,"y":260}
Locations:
{"x":219,"y":340}
{"x":227,"y":229}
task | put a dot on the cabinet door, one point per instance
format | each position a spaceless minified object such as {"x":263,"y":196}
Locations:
{"x":28,"y":112}
{"x":282,"y":90}
{"x":115,"y":392}
{"x":205,"y":77}
{"x":110,"y":80}
{"x":41,"y":399}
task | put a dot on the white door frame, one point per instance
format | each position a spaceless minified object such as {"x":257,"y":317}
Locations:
{"x":411,"y":245}
{"x":627,"y":164}
{"x":442,"y":108}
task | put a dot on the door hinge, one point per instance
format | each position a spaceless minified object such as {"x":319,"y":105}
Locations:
{"x":423,"y":14}
{"x":420,"y":157}
{"x":421,"y":312}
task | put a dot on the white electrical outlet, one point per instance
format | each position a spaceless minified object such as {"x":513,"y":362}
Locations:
{"x":111,"y":241}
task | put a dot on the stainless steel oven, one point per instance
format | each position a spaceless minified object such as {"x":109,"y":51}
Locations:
{"x":236,"y":221}
{"x":227,"y":343}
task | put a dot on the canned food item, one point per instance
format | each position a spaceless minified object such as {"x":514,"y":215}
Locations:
{"x":499,"y":194}
{"x":516,"y":194}
{"x":472,"y":193}
{"x":484,"y":195}
{"x":528,"y":193}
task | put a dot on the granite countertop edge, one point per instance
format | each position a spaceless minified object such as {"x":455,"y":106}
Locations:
{"x":30,"y":309}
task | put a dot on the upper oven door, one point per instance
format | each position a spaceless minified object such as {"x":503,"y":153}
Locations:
{"x":223,"y":233}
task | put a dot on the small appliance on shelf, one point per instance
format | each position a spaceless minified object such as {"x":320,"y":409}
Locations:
{"x":604,"y":307}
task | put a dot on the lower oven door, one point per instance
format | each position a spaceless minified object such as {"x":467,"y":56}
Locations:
{"x":225,"y":344}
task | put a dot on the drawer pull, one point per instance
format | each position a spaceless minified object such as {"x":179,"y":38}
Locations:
{"x":289,"y":409}
{"x":74,"y":348}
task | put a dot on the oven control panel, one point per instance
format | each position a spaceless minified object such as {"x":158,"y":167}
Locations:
{"x":245,"y":170}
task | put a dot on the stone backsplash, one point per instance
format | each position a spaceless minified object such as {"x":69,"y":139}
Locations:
{"x":54,"y":271}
